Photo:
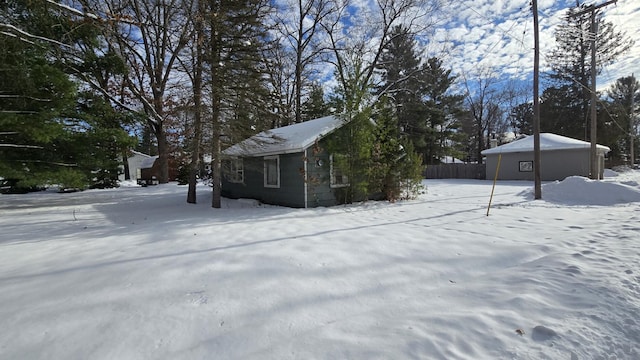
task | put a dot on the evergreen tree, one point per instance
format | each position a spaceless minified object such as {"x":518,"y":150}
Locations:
{"x":558,"y":105}
{"x":570,"y":61}
{"x":624,"y":104}
{"x":233,"y":56}
{"x":402,"y":81}
{"x":315,"y":106}
{"x":521,"y":119}
{"x":421,"y":94}
{"x":442,"y":111}
{"x":395,"y":167}
{"x":146,"y":143}
{"x":99,"y":140}
{"x":50,"y":134}
{"x":34,"y":95}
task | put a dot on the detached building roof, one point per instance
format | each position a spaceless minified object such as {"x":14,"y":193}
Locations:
{"x":287,"y":139}
{"x":148,"y":162}
{"x":548,"y":141}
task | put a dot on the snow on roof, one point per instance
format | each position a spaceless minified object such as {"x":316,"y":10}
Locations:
{"x":548,"y":141}
{"x":451,"y":160}
{"x":133,"y":152}
{"x":148,"y":162}
{"x":287,"y":139}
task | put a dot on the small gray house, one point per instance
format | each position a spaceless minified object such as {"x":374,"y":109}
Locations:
{"x":287,"y":166}
{"x":560,"y":157}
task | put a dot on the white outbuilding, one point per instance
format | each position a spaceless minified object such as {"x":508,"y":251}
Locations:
{"x":560,"y":156}
{"x":137,"y":161}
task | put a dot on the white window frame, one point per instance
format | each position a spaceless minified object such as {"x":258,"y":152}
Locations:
{"x":268,"y":160}
{"x":236,"y":171}
{"x":332,"y":173}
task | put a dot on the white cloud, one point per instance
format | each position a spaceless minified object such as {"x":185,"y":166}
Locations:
{"x":499,"y":34}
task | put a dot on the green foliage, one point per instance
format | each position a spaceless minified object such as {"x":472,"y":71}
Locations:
{"x":50,"y":133}
{"x":443,"y":110}
{"x":561,"y":112}
{"x":378,"y":162}
{"x":620,"y":124}
{"x":35,"y":93}
{"x":521,"y":118}
{"x":352,"y":147}
{"x":49,"y":137}
{"x":566,"y":106}
{"x":395,"y":167}
{"x":315,"y":106}
{"x":421,"y":96}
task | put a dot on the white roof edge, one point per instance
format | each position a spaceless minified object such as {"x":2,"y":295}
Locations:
{"x":549,"y":142}
{"x":140,"y":153}
{"x":294,"y":138}
{"x":268,"y":153}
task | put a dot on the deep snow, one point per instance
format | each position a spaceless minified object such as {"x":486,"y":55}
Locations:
{"x":137,"y":273}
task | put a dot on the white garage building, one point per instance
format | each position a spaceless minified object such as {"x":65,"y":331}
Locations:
{"x":560,"y":156}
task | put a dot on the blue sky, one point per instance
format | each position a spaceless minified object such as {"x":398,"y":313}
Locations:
{"x":498,"y":34}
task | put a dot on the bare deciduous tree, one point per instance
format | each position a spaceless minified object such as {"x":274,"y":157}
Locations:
{"x":150,"y":42}
{"x":302,"y":35}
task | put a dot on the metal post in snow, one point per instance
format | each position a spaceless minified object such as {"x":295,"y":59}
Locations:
{"x":495,"y":178}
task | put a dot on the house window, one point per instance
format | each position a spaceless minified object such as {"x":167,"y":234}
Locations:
{"x":272,"y":171}
{"x":235,"y":171}
{"x":526,"y":166}
{"x":337,"y":164}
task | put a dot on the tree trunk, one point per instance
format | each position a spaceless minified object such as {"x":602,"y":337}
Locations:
{"x":163,"y":154}
{"x":125,"y":163}
{"x":197,"y":99}
{"x":216,"y":168}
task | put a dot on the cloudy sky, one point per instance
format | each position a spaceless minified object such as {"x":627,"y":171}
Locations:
{"x":498,"y":34}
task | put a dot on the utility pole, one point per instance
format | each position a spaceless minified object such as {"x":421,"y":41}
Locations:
{"x":536,"y":103}
{"x":632,"y":128}
{"x":595,"y":171}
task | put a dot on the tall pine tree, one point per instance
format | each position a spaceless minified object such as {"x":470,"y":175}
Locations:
{"x":624,"y":104}
{"x":233,"y":56}
{"x":401,"y":82}
{"x":50,"y":134}
{"x":570,"y":61}
{"x":443,"y":110}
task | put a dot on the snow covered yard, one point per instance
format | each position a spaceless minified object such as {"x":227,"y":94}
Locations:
{"x":136,"y":273}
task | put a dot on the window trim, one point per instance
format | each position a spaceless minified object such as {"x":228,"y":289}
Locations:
{"x":332,"y":181}
{"x":266,"y":161}
{"x":525,"y":166}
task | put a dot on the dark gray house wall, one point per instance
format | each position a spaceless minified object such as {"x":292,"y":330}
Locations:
{"x":304,"y":180}
{"x":290,"y":191}
{"x":554,"y":164}
{"x":319,"y":190}
{"x":305,"y":168}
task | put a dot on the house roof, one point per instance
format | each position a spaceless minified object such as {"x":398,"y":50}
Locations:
{"x":133,"y":152}
{"x":148,"y":162}
{"x":287,"y":139}
{"x":548,"y":142}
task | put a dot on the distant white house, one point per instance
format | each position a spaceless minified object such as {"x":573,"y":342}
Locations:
{"x":137,"y":161}
{"x":560,"y":157}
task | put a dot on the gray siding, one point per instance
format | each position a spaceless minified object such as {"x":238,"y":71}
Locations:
{"x":253,"y":181}
{"x":319,"y":191}
{"x":554,"y":165}
{"x":291,"y":190}
{"x":292,"y":180}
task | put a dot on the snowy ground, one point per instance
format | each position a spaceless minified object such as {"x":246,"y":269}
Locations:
{"x":136,"y":273}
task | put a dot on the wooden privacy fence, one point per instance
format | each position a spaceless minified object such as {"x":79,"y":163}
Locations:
{"x":456,"y":171}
